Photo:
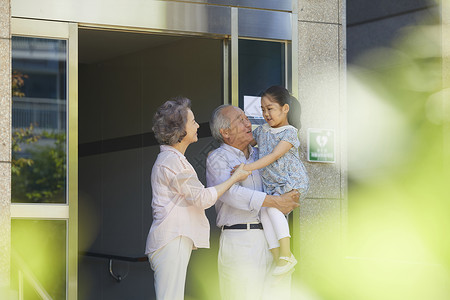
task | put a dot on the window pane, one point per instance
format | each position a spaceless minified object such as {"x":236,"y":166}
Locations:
{"x":261,"y":65}
{"x":39,"y":251}
{"x":39,"y":93}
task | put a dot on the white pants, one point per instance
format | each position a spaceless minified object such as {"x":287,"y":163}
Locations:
{"x":170,"y":265}
{"x":244,"y":264}
{"x":275,"y":226}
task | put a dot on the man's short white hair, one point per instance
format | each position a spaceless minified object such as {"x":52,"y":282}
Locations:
{"x":219,"y":121}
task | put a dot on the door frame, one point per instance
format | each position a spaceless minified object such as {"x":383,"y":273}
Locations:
{"x":69,"y":210}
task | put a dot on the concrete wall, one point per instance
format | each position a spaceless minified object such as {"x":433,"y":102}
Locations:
{"x":321,"y":82}
{"x":5,"y":144}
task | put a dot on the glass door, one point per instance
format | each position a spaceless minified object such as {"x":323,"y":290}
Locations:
{"x":255,"y":66}
{"x":44,"y":193}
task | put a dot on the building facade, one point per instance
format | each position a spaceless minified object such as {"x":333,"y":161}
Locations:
{"x":88,"y":76}
{"x":245,"y":48}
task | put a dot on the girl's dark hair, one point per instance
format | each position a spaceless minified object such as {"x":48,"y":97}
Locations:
{"x":169,"y":121}
{"x":278,"y":94}
{"x":281,"y":95}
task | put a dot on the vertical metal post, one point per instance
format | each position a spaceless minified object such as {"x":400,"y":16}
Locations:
{"x":72,"y":252}
{"x":226,"y":71}
{"x":286,"y":58}
{"x":294,"y":57}
{"x":234,"y":57}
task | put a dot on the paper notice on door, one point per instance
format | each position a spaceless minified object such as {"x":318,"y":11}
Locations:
{"x":252,"y":107}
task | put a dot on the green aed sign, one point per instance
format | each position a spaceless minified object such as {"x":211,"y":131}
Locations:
{"x":321,"y":145}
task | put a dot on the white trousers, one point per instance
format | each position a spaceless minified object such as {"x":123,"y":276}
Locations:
{"x":170,"y":265}
{"x":275,"y":226}
{"x":244,"y":264}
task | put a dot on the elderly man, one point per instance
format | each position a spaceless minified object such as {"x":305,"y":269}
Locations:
{"x":244,"y":258}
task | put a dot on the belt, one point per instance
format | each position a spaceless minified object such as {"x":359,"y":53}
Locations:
{"x":243,"y":226}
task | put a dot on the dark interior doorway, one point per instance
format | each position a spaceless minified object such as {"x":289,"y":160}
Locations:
{"x":123,"y":78}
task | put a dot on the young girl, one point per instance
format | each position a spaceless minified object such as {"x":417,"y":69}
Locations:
{"x":281,"y":170}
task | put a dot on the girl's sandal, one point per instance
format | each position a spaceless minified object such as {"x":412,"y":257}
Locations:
{"x":291,"y":262}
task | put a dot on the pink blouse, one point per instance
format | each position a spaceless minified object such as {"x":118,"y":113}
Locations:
{"x":179,"y":201}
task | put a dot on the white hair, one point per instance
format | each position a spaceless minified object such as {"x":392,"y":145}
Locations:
{"x":219,"y":121}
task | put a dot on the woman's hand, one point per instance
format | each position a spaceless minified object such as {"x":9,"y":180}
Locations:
{"x":239,"y":173}
{"x":237,"y":166}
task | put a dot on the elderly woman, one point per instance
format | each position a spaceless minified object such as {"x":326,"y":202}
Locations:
{"x":179,"y":200}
